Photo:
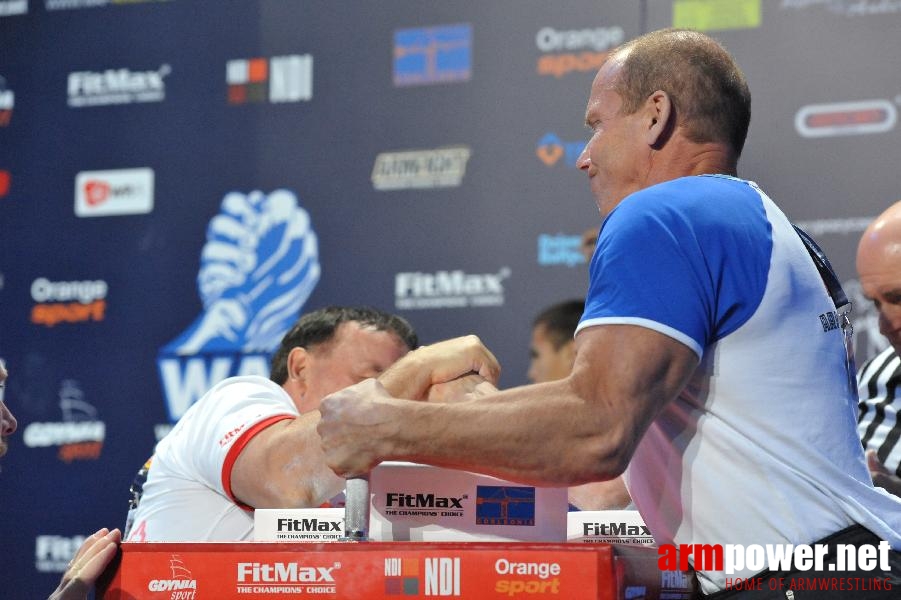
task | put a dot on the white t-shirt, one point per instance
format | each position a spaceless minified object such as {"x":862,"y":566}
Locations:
{"x":188,"y":496}
{"x":761,"y":446}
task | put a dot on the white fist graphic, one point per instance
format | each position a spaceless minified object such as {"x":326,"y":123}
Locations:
{"x":259,"y":265}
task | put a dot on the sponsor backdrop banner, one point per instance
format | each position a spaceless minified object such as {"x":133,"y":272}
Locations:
{"x":179,"y":179}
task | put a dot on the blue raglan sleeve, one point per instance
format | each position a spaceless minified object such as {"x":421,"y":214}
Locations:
{"x":679,"y":268}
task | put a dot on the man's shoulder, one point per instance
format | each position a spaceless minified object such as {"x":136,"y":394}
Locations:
{"x":244,"y":381}
{"x":693,"y":202}
{"x":235,"y":393}
{"x":696,"y":190}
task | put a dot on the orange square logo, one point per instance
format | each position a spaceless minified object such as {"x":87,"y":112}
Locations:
{"x":259,"y":70}
{"x":410,"y":567}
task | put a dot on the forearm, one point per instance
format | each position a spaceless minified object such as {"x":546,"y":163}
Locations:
{"x":543,"y":434}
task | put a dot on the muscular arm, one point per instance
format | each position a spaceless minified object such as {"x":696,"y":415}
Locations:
{"x":283,"y":466}
{"x":583,"y":428}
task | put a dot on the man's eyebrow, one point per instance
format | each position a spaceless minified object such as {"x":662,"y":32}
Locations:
{"x":588,"y":110}
{"x":591,"y":113}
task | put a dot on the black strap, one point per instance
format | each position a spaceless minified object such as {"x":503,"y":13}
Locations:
{"x":827,"y":273}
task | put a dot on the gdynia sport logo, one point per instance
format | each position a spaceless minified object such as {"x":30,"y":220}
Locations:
{"x":811,"y":560}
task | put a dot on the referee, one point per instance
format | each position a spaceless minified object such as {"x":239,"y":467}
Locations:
{"x":879,"y":268}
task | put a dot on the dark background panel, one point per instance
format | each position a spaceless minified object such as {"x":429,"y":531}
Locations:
{"x":202,"y":148}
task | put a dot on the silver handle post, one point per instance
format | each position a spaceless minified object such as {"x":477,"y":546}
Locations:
{"x":356,"y":509}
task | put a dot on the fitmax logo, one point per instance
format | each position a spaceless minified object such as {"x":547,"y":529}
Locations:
{"x":449,"y":289}
{"x":423,"y":501}
{"x":117,"y":86}
{"x":254,"y":572}
{"x":308,"y":525}
{"x":614,"y":529}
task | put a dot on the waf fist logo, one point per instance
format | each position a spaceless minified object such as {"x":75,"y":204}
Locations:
{"x":259,"y":265}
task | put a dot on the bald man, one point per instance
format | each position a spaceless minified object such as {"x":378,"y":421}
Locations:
{"x":879,"y":268}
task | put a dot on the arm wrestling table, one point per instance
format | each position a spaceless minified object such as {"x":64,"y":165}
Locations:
{"x":390,"y":571}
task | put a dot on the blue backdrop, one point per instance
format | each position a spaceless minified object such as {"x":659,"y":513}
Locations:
{"x":178,"y":178}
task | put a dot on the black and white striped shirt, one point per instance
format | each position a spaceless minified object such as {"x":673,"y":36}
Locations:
{"x":877,"y":422}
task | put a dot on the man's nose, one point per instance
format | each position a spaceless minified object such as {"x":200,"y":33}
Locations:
{"x":584,"y":160}
{"x":7,"y":420}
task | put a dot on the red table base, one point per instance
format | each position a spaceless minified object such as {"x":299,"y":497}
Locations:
{"x":390,"y":571}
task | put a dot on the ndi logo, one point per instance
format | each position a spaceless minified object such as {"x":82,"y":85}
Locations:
{"x":403,"y":575}
{"x":278,"y":80}
{"x":258,"y":267}
{"x":505,"y":505}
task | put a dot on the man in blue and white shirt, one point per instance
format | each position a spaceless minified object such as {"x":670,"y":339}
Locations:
{"x":710,"y":360}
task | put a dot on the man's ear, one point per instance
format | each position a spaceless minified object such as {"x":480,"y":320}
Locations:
{"x":297,"y":365}
{"x":659,"y":113}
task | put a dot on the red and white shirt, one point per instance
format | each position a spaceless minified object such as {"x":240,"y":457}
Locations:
{"x":188,"y":496}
